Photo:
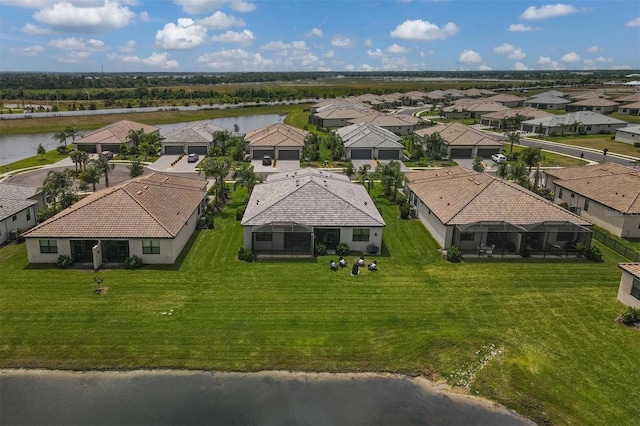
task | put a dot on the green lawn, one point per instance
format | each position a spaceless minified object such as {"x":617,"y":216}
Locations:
{"x":550,"y":159}
{"x":598,"y":142}
{"x":50,"y":157}
{"x":565,"y":360}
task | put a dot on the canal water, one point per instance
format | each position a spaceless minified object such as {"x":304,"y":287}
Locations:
{"x":36,"y":397}
{"x":17,"y":147}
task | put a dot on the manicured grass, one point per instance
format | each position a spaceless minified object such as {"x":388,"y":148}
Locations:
{"x":565,"y":359}
{"x":550,"y":159}
{"x":626,"y":117}
{"x":598,"y":142}
{"x":50,"y":157}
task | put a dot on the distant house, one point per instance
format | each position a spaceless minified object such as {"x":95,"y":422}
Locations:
{"x":477,"y":212}
{"x":630,"y":134}
{"x":595,"y":104}
{"x":366,"y":141}
{"x":464,"y":141}
{"x":554,"y":93}
{"x":471,"y":109}
{"x":630,"y":109}
{"x":507,"y":117}
{"x":110,"y":138}
{"x":18,"y":207}
{"x":546,"y":102}
{"x":279,"y":141}
{"x":629,"y":289}
{"x":587,"y":122}
{"x":338,"y":114}
{"x":193,"y":138}
{"x":506,"y":100}
{"x":292,"y":212}
{"x":400,"y":124}
{"x":151,"y":217}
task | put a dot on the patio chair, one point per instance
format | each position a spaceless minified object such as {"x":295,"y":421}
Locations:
{"x":489,"y":250}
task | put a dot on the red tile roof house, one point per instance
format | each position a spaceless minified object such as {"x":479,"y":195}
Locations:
{"x":481,"y":214}
{"x":110,"y":138}
{"x":279,"y":141}
{"x":291,"y":212}
{"x":629,"y":289}
{"x":151,"y":217}
{"x":464,"y":141}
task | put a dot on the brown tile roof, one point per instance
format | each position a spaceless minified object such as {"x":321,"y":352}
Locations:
{"x":459,"y":196}
{"x":387,"y":120}
{"x":526,"y":112}
{"x":620,"y":192}
{"x":595,"y":101}
{"x":635,"y":105}
{"x":115,"y":133}
{"x":590,"y":171}
{"x":474,"y":105}
{"x":629,"y":98}
{"x":632,"y":268}
{"x":456,"y":134}
{"x":152,"y":206}
{"x":505,"y":98}
{"x":342,"y":112}
{"x":277,"y":135}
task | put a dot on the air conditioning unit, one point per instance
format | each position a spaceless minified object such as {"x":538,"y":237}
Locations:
{"x":413,"y":212}
{"x":574,"y":209}
{"x":13,"y":235}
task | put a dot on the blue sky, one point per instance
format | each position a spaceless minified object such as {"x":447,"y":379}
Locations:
{"x":304,"y":35}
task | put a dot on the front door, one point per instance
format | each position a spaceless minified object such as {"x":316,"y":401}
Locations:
{"x":328,"y":236}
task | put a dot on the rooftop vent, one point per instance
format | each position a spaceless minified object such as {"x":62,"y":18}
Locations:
{"x":139,"y":192}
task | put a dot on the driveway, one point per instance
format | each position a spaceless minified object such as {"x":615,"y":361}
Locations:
{"x":280,"y":166}
{"x":163,"y":164}
{"x":372,"y":163}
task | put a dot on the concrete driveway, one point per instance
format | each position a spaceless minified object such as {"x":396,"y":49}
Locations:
{"x":163,"y":164}
{"x":280,"y":166}
{"x":359,"y":163}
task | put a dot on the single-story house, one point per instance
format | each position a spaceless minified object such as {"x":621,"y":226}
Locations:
{"x":110,"y":138}
{"x":631,"y":109}
{"x":551,"y":175}
{"x":279,"y":141}
{"x":291,"y":212}
{"x":634,"y":97}
{"x":466,"y":108}
{"x":193,"y":138}
{"x":595,"y":104}
{"x":18,"y":207}
{"x":151,"y":217}
{"x":464,"y":141}
{"x":338,"y":115}
{"x":630,"y":134}
{"x":506,"y":118}
{"x":506,"y":100}
{"x":611,"y":201}
{"x":366,"y":141}
{"x":478,"y":93}
{"x":629,"y":289}
{"x":400,"y":124}
{"x":587,"y":122}
{"x":546,"y":102}
{"x":554,"y":93}
{"x":479,"y":214}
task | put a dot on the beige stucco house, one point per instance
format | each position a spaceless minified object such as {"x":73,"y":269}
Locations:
{"x":109,"y":138}
{"x":367,"y":141}
{"x":629,"y":289}
{"x":279,"y":141}
{"x":151,"y":217}
{"x":193,"y":138}
{"x":18,"y":207}
{"x":587,"y":122}
{"x":631,"y":109}
{"x":464,"y":141}
{"x":630,"y":134}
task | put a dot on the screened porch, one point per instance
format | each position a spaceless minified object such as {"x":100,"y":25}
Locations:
{"x":282,"y":239}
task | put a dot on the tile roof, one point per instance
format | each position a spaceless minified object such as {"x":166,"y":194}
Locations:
{"x":15,"y":198}
{"x":632,"y":268}
{"x":587,"y":118}
{"x":527,"y":112}
{"x":546,"y":99}
{"x":458,"y":196}
{"x":152,"y":206}
{"x":629,"y":98}
{"x":630,"y":129}
{"x":342,"y":112}
{"x":366,"y":135}
{"x":196,"y":131}
{"x":311,"y":197}
{"x":594,"y":101}
{"x":590,"y":171}
{"x":277,"y":135}
{"x":114,"y":133}
{"x":457,"y":134}
{"x":387,"y":120}
{"x":555,"y":93}
{"x":505,"y":98}
{"x":9,"y":207}
{"x":620,"y":192}
{"x":635,"y":105}
{"x":474,"y":105}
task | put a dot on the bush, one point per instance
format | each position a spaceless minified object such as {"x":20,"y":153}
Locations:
{"x":342,"y":249}
{"x":240,"y":212}
{"x":593,"y":254}
{"x":453,"y":254}
{"x":405,"y":210}
{"x":64,"y":261}
{"x":132,"y":262}
{"x":321,"y":249}
{"x":636,"y":144}
{"x":372,"y":248}
{"x":246,"y":254}
{"x":631,"y":316}
{"x":62,"y":149}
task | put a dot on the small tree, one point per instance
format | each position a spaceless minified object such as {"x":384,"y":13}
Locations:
{"x":41,"y":151}
{"x":477,"y":164}
{"x":91,"y":176}
{"x":514,"y":137}
{"x":349,"y":169}
{"x":105,"y":167}
{"x":136,"y":168}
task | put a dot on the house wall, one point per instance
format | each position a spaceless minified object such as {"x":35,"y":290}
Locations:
{"x":624,"y":291}
{"x":630,"y":111}
{"x":33,"y":250}
{"x":627,"y":137}
{"x":441,"y":233}
{"x":7,"y":225}
{"x":598,"y":214}
{"x":375,"y":237}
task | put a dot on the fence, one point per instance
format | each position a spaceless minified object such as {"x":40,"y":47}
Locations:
{"x":617,"y":245}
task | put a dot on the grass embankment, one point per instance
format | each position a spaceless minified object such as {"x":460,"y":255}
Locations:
{"x":598,"y":142}
{"x":551,"y":159}
{"x":50,"y":157}
{"x":565,"y":360}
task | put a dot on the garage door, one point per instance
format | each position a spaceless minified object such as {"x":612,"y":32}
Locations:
{"x":487,"y":152}
{"x":288,"y":154}
{"x":91,"y":149}
{"x":461,"y":152}
{"x":360,"y":154}
{"x":111,"y":147}
{"x":197,"y":149}
{"x":173,"y":150}
{"x":259,"y":153}
{"x":389,"y":154}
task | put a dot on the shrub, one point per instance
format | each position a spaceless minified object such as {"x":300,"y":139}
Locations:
{"x":405,"y":210}
{"x":372,"y":248}
{"x":321,"y":249}
{"x":62,"y":149}
{"x":246,"y":254}
{"x":631,"y":316}
{"x":342,"y":249}
{"x":636,"y":144}
{"x":132,"y":262}
{"x":64,"y":261}
{"x":593,"y":254}
{"x":453,"y":254}
{"x":240,"y":212}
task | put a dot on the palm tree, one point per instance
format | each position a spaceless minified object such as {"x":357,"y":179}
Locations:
{"x":105,"y":167}
{"x":76,"y":157}
{"x":217,"y":169}
{"x":91,"y":175}
{"x":518,"y":173}
{"x":136,"y":136}
{"x":55,"y":185}
{"x":245,"y":176}
{"x":503,"y":169}
{"x":477,"y":164}
{"x":349,"y":170}
{"x":514,"y":137}
{"x":72,"y":133}
{"x":532,"y":157}
{"x":136,"y":168}
{"x":41,"y":151}
{"x":61,"y":137}
{"x":363,"y":175}
{"x":391,"y":179}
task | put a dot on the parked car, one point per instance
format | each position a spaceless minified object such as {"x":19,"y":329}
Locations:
{"x":266,"y":160}
{"x":193,"y":158}
{"x":499,"y":158}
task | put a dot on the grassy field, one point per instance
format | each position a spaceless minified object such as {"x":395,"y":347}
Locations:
{"x":550,"y":159}
{"x":598,"y":142}
{"x":50,"y":157}
{"x":564,"y":359}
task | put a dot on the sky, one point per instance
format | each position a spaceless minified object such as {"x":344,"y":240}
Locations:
{"x":216,"y":36}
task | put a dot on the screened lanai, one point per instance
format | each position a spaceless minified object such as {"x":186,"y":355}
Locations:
{"x":280,"y":239}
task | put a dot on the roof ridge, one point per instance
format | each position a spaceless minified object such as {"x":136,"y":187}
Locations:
{"x":346,"y":201}
{"x":126,"y":191}
{"x":281,"y":199}
{"x":464,"y":206}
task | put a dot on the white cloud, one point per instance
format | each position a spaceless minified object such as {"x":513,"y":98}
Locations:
{"x":341,"y":41}
{"x":315,"y":33}
{"x":633,"y":23}
{"x":603,"y":59}
{"x":424,"y":30}
{"x":28,"y":51}
{"x":396,"y":49}
{"x":594,"y":49}
{"x":280,"y":46}
{"x":571,"y":58}
{"x":519,"y":66}
{"x":375,"y":53}
{"x":547,"y":11}
{"x":244,"y":37}
{"x":144,"y":17}
{"x":220,"y":21}
{"x":34,"y":29}
{"x":484,"y":68}
{"x":233,"y":59}
{"x":329,"y":54}
{"x":522,"y":28}
{"x":511,"y":51}
{"x":155,"y":60}
{"x":73,"y":58}
{"x":66,"y":16}
{"x":129,"y":47}
{"x":200,"y":7}
{"x":545,"y":62}
{"x":367,"y":42}
{"x":469,"y":57}
{"x":182,"y":36}
{"x":366,"y":68}
{"x":72,"y":43}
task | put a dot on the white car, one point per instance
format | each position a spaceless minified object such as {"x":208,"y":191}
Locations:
{"x":499,"y":158}
{"x":193,"y":158}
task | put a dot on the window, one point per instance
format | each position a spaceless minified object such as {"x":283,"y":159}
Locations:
{"x":150,"y":247}
{"x":28,"y":215}
{"x":48,"y":246}
{"x":360,"y":234}
{"x":467,"y":236}
{"x":635,"y":288}
{"x":14,"y":217}
{"x":573,"y":195}
{"x":586,"y":204}
{"x":264,"y":236}
{"x":560,"y":193}
{"x":564,"y":236}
